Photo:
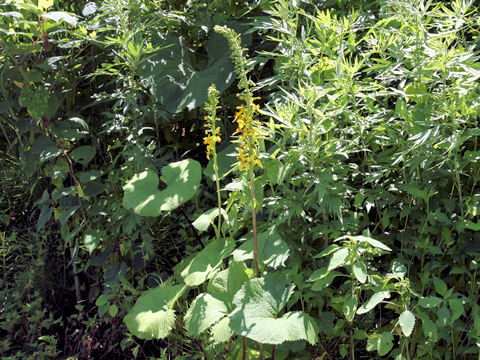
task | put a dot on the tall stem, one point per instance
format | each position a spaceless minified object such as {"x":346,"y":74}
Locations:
{"x":254,"y":220}
{"x":219,"y":198}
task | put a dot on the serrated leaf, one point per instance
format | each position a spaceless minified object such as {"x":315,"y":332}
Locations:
{"x":225,"y":284}
{"x":428,"y":326}
{"x":203,"y":312}
{"x":360,"y":271}
{"x":221,"y":331}
{"x":440,"y":286}
{"x":258,"y":304}
{"x":152,"y":316}
{"x":207,"y":262}
{"x":338,"y":259}
{"x":429,"y":301}
{"x":407,"y":322}
{"x":385,"y":343}
{"x":376,"y":299}
{"x":141,"y":193}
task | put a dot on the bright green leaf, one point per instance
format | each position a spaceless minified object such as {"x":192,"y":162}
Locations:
{"x":376,"y":299}
{"x":338,"y":259}
{"x":141,"y":193}
{"x":360,"y":271}
{"x":152,"y":316}
{"x":258,"y":304}
{"x":407,"y":322}
{"x":207,"y":262}
{"x":83,"y":154}
{"x":208,"y":217}
{"x":204,"y":311}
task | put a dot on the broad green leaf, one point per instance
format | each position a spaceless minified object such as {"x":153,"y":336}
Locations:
{"x":349,"y":307}
{"x":45,"y":4}
{"x":322,"y":283}
{"x":376,"y":299}
{"x":258,"y":304}
{"x":207,"y":262}
{"x":401,"y":109}
{"x":141,"y":193}
{"x":113,"y":310}
{"x":225,"y":284}
{"x":87,"y":176}
{"x":398,"y":269}
{"x":46,"y":213}
{"x":457,"y":307}
{"x":440,"y":286}
{"x":204,"y":311}
{"x":360,"y":271}
{"x":221,"y":331}
{"x":36,"y":101}
{"x":152,"y":316}
{"x":208,"y":217}
{"x":338,"y":258}
{"x":176,"y":82}
{"x":91,"y":240}
{"x":375,"y":243}
{"x":83,"y":154}
{"x":319,"y":274}
{"x":225,"y":160}
{"x":429,"y":328}
{"x":58,"y":16}
{"x":385,"y":343}
{"x":429,"y":301}
{"x":407,"y":322}
{"x":444,"y":317}
{"x":273,"y":251}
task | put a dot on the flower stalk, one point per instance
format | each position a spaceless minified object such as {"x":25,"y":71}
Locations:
{"x":248,"y":131}
{"x":212,"y":133}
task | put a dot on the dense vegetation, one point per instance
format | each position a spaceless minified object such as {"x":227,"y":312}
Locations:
{"x":261,"y":179}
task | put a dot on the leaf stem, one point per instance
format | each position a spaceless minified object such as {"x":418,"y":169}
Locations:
{"x":254,"y":220}
{"x":219,"y":198}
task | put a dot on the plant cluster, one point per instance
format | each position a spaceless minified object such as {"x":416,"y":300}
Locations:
{"x":150,"y":207}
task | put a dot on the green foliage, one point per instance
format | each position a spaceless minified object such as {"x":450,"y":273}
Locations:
{"x":141,"y":194}
{"x":356,"y":236}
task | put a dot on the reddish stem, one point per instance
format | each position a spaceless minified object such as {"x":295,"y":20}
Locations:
{"x":244,"y":354}
{"x":254,"y":222}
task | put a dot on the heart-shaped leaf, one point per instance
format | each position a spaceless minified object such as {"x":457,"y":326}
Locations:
{"x":258,"y":304}
{"x":207,"y":262}
{"x":152,"y":316}
{"x":142,"y":196}
{"x":204,"y":311}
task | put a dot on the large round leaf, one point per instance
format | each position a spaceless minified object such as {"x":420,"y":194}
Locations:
{"x":204,"y":311}
{"x":141,"y":193}
{"x":152,"y":316}
{"x":207,"y":262}
{"x":258,"y":303}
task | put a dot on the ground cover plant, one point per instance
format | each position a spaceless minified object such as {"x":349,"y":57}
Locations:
{"x":239,"y":180}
